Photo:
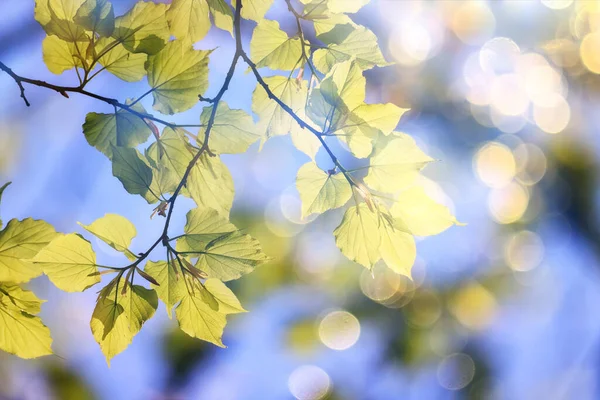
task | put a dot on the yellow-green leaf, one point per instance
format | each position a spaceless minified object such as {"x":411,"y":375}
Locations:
{"x":321,"y":191}
{"x":396,"y":165}
{"x":171,"y":287}
{"x":232,"y":132}
{"x":61,"y":56}
{"x":189,"y":19}
{"x":177,"y":75}
{"x":254,"y":9}
{"x":198,"y":319}
{"x":22,"y":333}
{"x":121,"y":62}
{"x":19,"y":242}
{"x":114,"y":230}
{"x":24,"y":300}
{"x":202,"y":227}
{"x":231,"y":256}
{"x":358,"y":236}
{"x":360,"y":44}
{"x":144,"y":28}
{"x":114,"y":324}
{"x":273,"y":119}
{"x":227,"y":301}
{"x":420,"y":214}
{"x":271,"y":47}
{"x":70,"y":263}
{"x":397,"y":248}
{"x":57,"y":18}
{"x":210,"y":184}
{"x":346,"y":6}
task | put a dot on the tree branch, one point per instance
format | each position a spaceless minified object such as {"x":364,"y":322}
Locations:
{"x":64,"y":90}
{"x":302,"y":39}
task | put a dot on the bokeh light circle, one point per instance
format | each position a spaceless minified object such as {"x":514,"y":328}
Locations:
{"x":495,"y":165}
{"x":339,"y":330}
{"x":456,"y":371}
{"x":309,"y":382}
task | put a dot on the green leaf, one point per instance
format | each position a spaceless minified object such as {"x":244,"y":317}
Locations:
{"x":198,"y":319}
{"x":231,"y":256}
{"x":144,"y":28}
{"x":360,"y":44}
{"x":120,"y":62}
{"x":271,"y":47}
{"x":96,"y":16}
{"x":254,"y":9}
{"x":57,"y":18}
{"x":134,"y":173}
{"x":120,"y":129}
{"x":70,"y":263}
{"x":358,"y":235}
{"x":19,"y":242}
{"x":171,"y":287}
{"x":114,"y":324}
{"x":114,"y":230}
{"x":177,"y":75}
{"x":397,"y":165}
{"x":22,"y":333}
{"x":273,"y":119}
{"x":420,"y":215}
{"x":232,"y":132}
{"x":227,"y":301}
{"x":202,"y":227}
{"x":60,"y":55}
{"x":210,"y":184}
{"x":321,"y":191}
{"x":334,"y":28}
{"x":346,"y":6}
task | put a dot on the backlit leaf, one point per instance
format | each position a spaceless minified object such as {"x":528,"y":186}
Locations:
{"x":114,"y":230}
{"x":231,"y":256}
{"x":321,"y":191}
{"x":232,"y":132}
{"x":358,"y":236}
{"x":420,"y":214}
{"x":22,"y":333}
{"x":171,"y":286}
{"x":19,"y":242}
{"x":134,"y":173}
{"x":96,"y":16}
{"x":177,"y":75}
{"x":119,"y":129}
{"x":228,"y":302}
{"x":121,"y":62}
{"x":254,"y":9}
{"x":273,"y":119}
{"x":70,"y":263}
{"x":114,"y":324}
{"x":396,"y":165}
{"x":57,"y":18}
{"x":271,"y":47}
{"x":144,"y":28}
{"x":198,"y":319}
{"x":210,"y":184}
{"x":360,"y":44}
{"x":61,"y":56}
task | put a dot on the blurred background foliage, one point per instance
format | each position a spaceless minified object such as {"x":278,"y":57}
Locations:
{"x":505,"y":93}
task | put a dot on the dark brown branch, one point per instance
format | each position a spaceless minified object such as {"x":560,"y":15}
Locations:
{"x":65,"y":90}
{"x":301,"y":36}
